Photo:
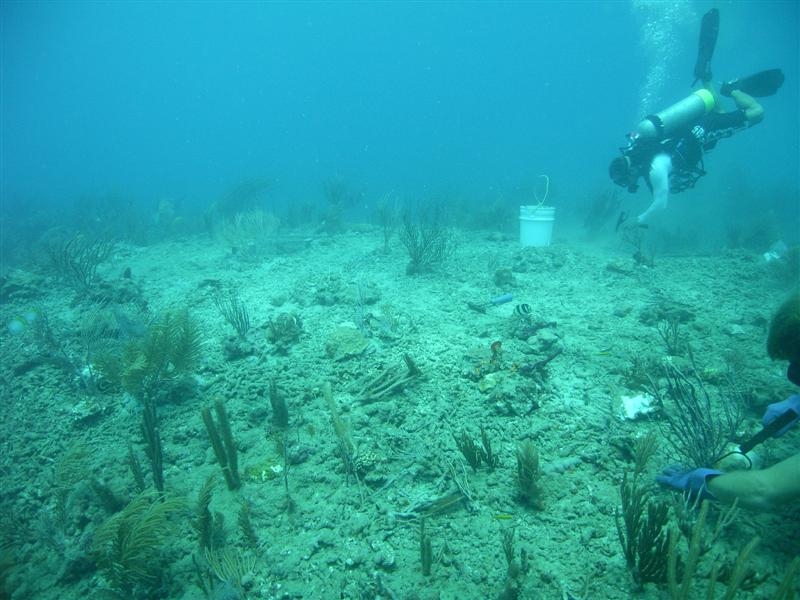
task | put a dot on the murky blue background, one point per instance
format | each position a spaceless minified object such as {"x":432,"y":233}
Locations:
{"x":474,"y":100}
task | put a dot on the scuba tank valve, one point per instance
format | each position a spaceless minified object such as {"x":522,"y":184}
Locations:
{"x":665,"y":123}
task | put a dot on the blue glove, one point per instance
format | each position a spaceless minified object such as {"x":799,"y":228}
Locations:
{"x":776,"y":409}
{"x":691,"y":482}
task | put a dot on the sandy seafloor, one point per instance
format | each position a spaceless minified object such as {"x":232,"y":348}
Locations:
{"x":348,"y":539}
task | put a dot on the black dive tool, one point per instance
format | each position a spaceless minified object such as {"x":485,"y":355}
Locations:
{"x":709,"y":29}
{"x":769,"y":430}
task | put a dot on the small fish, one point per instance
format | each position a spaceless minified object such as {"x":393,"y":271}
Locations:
{"x":504,"y":516}
{"x":522,"y":309}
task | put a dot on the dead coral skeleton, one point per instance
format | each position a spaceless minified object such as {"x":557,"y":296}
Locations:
{"x":390,"y":381}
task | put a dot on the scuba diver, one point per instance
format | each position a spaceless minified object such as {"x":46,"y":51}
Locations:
{"x":667,"y":148}
{"x":765,"y":489}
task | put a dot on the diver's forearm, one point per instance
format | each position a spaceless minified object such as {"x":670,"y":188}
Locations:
{"x":767,"y":489}
{"x":742,"y":485}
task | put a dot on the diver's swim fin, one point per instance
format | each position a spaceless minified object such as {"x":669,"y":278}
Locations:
{"x":761,"y":84}
{"x":709,"y":29}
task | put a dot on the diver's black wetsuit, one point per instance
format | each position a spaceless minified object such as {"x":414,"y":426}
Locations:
{"x":686,"y":150}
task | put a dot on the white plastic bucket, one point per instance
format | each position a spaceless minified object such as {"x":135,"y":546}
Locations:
{"x":536,"y":225}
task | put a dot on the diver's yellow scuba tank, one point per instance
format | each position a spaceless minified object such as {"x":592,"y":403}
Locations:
{"x":665,"y":123}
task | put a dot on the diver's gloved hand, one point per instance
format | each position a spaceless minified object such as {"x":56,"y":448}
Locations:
{"x":776,"y":409}
{"x":691,"y":482}
{"x":726,"y":88}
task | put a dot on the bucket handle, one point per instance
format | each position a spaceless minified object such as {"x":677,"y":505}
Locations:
{"x":541,"y":202}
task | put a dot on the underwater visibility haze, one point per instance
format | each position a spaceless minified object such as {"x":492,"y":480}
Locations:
{"x":274,"y":326}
